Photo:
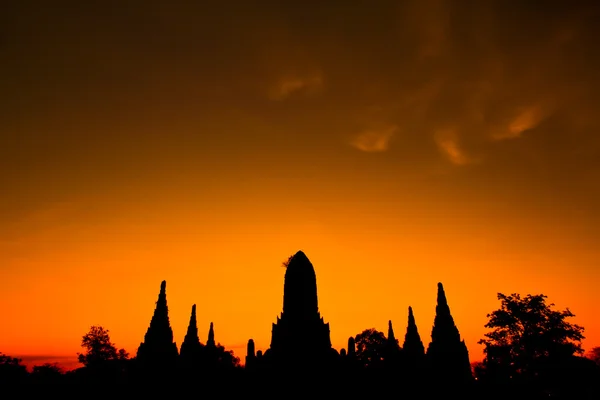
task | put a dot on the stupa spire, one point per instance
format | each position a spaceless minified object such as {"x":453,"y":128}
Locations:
{"x":211,"y":336}
{"x":442,"y":302}
{"x":447,"y":353}
{"x":250,"y":350}
{"x":443,"y":327}
{"x":391,"y":337}
{"x":160,"y":327}
{"x":300,"y":338}
{"x":158,"y":341}
{"x":192,"y":331}
{"x":351,"y":347}
{"x":300,"y":287}
{"x":413,"y":345}
{"x":250,"y":354}
{"x":191,"y":343}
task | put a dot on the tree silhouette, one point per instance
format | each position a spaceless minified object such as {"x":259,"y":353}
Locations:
{"x":122,"y":354}
{"x":527,"y":336}
{"x":11,"y":369}
{"x":48,"y":372}
{"x":223,"y":358}
{"x":370,"y":348}
{"x":594,"y":355}
{"x":98,"y":348}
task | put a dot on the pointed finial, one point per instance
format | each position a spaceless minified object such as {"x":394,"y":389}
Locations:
{"x":163,"y":286}
{"x":211,"y":336}
{"x":412,"y":340}
{"x":412,"y":324}
{"x":411,"y":316}
{"x":194,"y":311}
{"x":441,"y":295}
{"x":391,"y":336}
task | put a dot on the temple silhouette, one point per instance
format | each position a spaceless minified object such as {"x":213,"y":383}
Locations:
{"x":300,"y":340}
{"x":158,"y":350}
{"x":301,"y":360}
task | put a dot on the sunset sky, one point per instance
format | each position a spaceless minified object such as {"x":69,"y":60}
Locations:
{"x":397,"y":143}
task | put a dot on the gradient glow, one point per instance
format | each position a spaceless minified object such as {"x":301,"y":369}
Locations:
{"x":397,"y":145}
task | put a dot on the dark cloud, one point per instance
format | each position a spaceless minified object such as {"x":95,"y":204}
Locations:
{"x":94,"y":87}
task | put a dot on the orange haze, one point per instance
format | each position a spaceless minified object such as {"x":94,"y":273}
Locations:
{"x":398,"y":144}
{"x":81,"y":267}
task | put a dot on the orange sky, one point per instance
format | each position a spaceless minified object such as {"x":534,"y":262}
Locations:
{"x":396,"y":145}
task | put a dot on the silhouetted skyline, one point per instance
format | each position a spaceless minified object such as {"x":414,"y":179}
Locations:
{"x":532,"y":350}
{"x":398,"y":143}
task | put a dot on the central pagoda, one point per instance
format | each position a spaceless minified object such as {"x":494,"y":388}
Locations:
{"x":300,"y":337}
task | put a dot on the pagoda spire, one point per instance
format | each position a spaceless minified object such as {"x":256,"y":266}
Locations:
{"x":351,"y":347}
{"x":447,"y":353}
{"x":300,"y":288}
{"x":158,"y":342}
{"x":191,"y":343}
{"x":300,"y":338}
{"x":392,"y":348}
{"x":160,"y":327}
{"x":211,"y":336}
{"x":250,"y":349}
{"x":413,"y":345}
{"x":444,"y":328}
{"x":250,"y":354}
{"x":391,"y":337}
{"x":192,"y":331}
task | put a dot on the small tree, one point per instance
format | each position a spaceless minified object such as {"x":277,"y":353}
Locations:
{"x":47,"y":372}
{"x":370,"y":348}
{"x":98,"y":347}
{"x":528,"y":335}
{"x":122,"y":354}
{"x":286,"y":262}
{"x":226,"y":358}
{"x":594,"y":355}
{"x":11,"y":369}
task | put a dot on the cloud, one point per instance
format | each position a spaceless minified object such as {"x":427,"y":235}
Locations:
{"x":289,"y":85}
{"x":374,"y":140}
{"x":490,"y":77}
{"x":524,"y":120}
{"x":448,"y":143}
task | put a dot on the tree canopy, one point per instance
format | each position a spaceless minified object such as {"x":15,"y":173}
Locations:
{"x":99,"y":348}
{"x":370,"y":347}
{"x":526,"y":333}
{"x":11,"y":369}
{"x":594,"y":355}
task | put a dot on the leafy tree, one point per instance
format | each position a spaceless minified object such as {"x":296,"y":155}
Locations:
{"x":226,"y":358}
{"x":11,"y":369}
{"x":286,"y":262}
{"x":594,"y":355}
{"x":370,"y":348}
{"x":98,"y":348}
{"x":122,"y":355}
{"x":217,"y":356}
{"x":527,"y":336}
{"x":47,"y":372}
{"x":51,"y":368}
{"x":478,"y":368}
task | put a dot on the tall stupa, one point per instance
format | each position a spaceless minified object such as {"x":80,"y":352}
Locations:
{"x":300,"y":337}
